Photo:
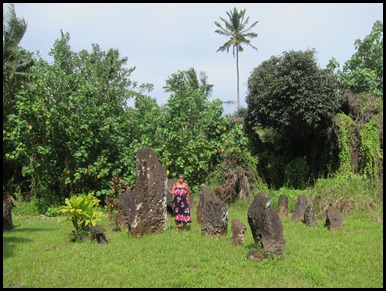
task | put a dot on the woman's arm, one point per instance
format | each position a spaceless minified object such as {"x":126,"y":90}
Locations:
{"x":172,"y":191}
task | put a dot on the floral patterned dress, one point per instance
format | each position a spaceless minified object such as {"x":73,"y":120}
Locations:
{"x":181,"y":205}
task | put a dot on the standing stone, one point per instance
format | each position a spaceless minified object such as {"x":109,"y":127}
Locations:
{"x":300,"y":207}
{"x":147,"y":212}
{"x":199,"y":210}
{"x":7,"y":212}
{"x":98,"y":233}
{"x":238,"y":232}
{"x":309,"y":215}
{"x":266,"y":226}
{"x":122,"y":217}
{"x":283,"y":206}
{"x":214,"y":215}
{"x":334,"y":220}
{"x":170,"y":197}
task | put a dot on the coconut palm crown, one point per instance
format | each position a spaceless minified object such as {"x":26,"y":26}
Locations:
{"x":238,"y":32}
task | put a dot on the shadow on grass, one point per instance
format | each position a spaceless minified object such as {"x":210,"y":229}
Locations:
{"x":10,"y":242}
{"x":18,"y":228}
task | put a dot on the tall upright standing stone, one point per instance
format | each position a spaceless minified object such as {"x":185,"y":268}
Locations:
{"x":147,"y":211}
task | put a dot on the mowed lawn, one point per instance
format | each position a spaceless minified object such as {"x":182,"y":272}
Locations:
{"x":38,"y":253}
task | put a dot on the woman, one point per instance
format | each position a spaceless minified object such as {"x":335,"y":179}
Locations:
{"x":181,"y":200}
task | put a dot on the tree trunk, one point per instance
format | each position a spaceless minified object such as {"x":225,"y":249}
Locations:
{"x":238,"y":87}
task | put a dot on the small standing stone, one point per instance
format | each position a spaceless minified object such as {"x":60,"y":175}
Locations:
{"x":238,"y":232}
{"x":300,"y":207}
{"x":334,"y":220}
{"x":309,"y":216}
{"x":283,"y":206}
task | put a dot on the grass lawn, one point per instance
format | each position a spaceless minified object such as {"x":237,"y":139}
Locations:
{"x":38,"y":253}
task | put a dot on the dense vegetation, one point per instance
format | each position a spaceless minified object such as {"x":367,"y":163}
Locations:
{"x":67,"y":128}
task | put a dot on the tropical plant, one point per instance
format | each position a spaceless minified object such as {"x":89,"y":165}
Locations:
{"x":238,"y":32}
{"x":192,"y":78}
{"x":14,"y":29}
{"x":82,"y":212}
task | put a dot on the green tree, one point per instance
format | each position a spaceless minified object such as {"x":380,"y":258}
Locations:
{"x":192,"y":78}
{"x":69,"y":130}
{"x":190,"y":131}
{"x":144,"y":124}
{"x":363,"y":73}
{"x":297,"y":99}
{"x":16,"y":62}
{"x":238,"y":32}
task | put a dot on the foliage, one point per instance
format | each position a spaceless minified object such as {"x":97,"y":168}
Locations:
{"x":238,"y":32}
{"x":82,"y":211}
{"x":190,"y":131}
{"x":236,"y":151}
{"x":69,"y":129}
{"x":371,"y":162}
{"x":360,"y":136}
{"x":291,"y":193}
{"x":364,"y":71}
{"x":235,"y":174}
{"x":290,"y":92}
{"x":118,"y":186}
{"x":143,"y":124}
{"x":363,"y":197}
{"x":296,"y":173}
{"x":346,"y":129}
{"x":16,"y":62}
{"x":14,"y":28}
{"x":193,"y":80}
{"x":292,"y":96}
{"x":271,"y":167}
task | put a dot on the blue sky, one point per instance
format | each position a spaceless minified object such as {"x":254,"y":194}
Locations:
{"x":160,"y":39}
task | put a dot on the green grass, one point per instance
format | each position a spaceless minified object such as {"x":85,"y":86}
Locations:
{"x":38,"y":253}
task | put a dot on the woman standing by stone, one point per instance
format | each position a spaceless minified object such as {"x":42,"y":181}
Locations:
{"x":181,"y":201}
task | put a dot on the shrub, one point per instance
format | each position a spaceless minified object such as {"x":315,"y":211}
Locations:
{"x":82,"y":211}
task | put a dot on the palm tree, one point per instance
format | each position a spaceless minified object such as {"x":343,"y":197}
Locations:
{"x":201,"y":83}
{"x":15,"y":63}
{"x":190,"y":76}
{"x":16,"y":60}
{"x":14,"y":29}
{"x":238,"y":33}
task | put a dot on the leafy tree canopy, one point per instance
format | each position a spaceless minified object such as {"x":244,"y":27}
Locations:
{"x":364,"y":71}
{"x":291,"y":94}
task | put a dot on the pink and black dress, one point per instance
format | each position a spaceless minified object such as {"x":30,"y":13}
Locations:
{"x":181,"y":205}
